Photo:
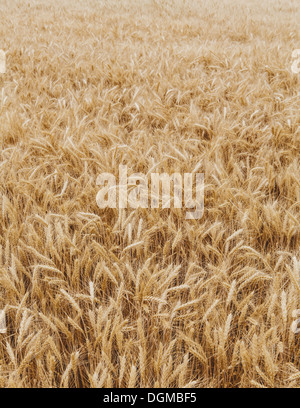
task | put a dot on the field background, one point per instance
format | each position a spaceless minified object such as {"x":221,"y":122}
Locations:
{"x":140,"y":298}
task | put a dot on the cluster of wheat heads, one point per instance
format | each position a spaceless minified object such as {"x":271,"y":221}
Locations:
{"x":144,"y":297}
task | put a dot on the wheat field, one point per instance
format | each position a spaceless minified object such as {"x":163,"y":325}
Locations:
{"x":143,"y":297}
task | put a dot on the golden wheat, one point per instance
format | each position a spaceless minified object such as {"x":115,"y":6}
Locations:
{"x":144,"y":297}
